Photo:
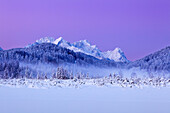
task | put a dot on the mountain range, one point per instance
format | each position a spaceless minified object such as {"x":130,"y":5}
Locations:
{"x":85,"y":47}
{"x":54,"y":54}
{"x":82,"y":53}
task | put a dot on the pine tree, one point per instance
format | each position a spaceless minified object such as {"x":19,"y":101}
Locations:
{"x":71,"y":75}
{"x":46,"y":76}
{"x":110,"y":76}
{"x":38,"y":75}
{"x":26,"y":73}
{"x":54,"y":75}
{"x":31,"y":75}
{"x":58,"y":73}
{"x":5,"y":73}
{"x":87,"y":76}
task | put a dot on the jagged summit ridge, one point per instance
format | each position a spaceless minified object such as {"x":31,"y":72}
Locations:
{"x":46,"y":40}
{"x":85,"y":47}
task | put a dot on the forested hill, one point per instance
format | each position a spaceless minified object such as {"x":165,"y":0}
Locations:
{"x":157,"y":61}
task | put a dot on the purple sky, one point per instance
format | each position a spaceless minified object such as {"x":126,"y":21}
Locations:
{"x":138,"y":27}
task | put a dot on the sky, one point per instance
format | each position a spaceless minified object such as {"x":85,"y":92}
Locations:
{"x":138,"y":27}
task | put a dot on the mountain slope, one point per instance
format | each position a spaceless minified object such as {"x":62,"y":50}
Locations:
{"x":157,"y":61}
{"x":1,"y":49}
{"x":85,"y":47}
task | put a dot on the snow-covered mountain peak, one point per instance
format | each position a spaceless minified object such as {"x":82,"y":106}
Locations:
{"x":87,"y":48}
{"x":117,"y":55}
{"x":61,"y":42}
{"x":85,"y":42}
{"x":46,"y":40}
{"x":57,"y":41}
{"x":118,"y":50}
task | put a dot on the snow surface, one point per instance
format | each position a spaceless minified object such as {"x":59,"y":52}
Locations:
{"x":89,"y":99}
{"x":85,"y":47}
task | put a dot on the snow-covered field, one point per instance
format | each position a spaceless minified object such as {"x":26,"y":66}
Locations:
{"x":81,"y":96}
